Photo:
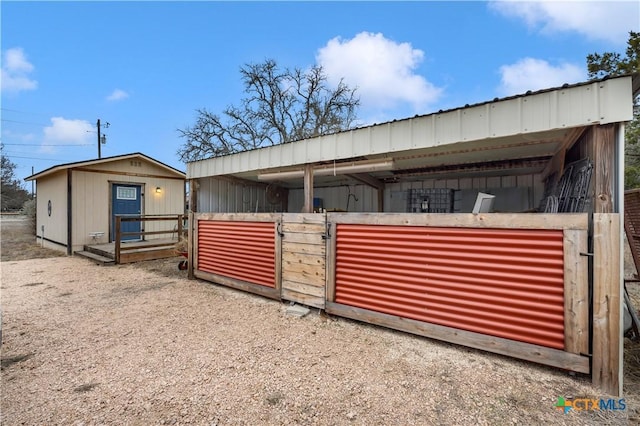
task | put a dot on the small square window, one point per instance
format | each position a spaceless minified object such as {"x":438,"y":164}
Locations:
{"x":126,"y":193}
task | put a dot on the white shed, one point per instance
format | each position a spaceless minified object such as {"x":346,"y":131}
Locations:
{"x":77,"y":203}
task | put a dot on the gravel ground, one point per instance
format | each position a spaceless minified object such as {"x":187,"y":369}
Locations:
{"x":85,"y":344}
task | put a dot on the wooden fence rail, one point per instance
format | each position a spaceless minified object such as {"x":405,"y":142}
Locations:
{"x":148,"y":249}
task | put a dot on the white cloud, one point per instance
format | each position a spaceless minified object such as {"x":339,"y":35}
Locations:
{"x":535,"y":74}
{"x":382,"y":70}
{"x":63,"y":131}
{"x":15,"y":71}
{"x":117,"y":95}
{"x":597,"y":20}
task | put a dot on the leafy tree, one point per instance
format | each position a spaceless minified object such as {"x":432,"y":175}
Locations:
{"x":12,"y":193}
{"x":281,"y":106}
{"x":612,"y":64}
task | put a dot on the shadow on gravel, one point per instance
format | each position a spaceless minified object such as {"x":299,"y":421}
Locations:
{"x":9,"y":361}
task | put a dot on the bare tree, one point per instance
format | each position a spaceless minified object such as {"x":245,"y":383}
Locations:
{"x":281,"y":106}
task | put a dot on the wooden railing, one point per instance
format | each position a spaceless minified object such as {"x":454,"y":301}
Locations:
{"x":148,"y":249}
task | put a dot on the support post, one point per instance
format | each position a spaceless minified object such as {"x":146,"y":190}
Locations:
{"x":118,"y":238}
{"x":191,"y":250}
{"x":607,"y":350}
{"x":604,"y":170}
{"x":191,"y":237}
{"x":308,"y":189}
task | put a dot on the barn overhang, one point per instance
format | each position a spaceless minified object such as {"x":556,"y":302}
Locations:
{"x":521,"y":133}
{"x":542,"y":134}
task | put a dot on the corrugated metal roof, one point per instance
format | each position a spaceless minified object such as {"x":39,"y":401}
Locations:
{"x":525,"y":126}
{"x":95,"y":161}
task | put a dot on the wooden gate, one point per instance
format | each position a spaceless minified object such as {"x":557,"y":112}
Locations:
{"x":303,"y":258}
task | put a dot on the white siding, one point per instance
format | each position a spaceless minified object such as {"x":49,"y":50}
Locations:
{"x":363,"y":198}
{"x":516,"y":193}
{"x":222,"y":196}
{"x":92,"y":203}
{"x":52,"y":189}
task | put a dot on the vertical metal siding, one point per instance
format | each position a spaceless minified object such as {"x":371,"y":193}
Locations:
{"x":505,"y":283}
{"x":240,"y":250}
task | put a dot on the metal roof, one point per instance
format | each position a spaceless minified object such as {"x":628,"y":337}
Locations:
{"x":520,"y":132}
{"x":92,"y":162}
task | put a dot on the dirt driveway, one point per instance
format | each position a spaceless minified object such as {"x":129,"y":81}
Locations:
{"x":84,"y":344}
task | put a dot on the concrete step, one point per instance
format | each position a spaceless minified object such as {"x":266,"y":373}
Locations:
{"x":100,"y":260}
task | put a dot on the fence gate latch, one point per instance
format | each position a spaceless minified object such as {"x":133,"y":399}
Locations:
{"x":327,"y":233}
{"x":586,"y":254}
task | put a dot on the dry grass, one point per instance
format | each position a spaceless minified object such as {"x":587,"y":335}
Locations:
{"x":17,"y":242}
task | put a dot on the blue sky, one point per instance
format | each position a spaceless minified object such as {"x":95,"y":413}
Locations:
{"x":145,"y":67}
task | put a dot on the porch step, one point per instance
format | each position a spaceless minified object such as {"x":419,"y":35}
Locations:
{"x":99,"y":259}
{"x":97,"y":250}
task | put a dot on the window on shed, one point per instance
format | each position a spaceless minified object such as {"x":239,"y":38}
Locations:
{"x":126,"y":193}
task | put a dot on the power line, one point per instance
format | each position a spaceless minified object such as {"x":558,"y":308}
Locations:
{"x":24,"y":122}
{"x":33,"y":158}
{"x":38,"y":144}
{"x":22,"y":112}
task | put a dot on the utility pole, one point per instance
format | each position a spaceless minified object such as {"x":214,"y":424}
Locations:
{"x":99,"y":152}
{"x":101,"y":139}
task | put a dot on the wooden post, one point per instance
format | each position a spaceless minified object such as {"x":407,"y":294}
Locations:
{"x":607,"y":296}
{"x":604,"y":170}
{"x":308,"y":189}
{"x":193,"y":195}
{"x":191,"y":250}
{"x":576,"y":292}
{"x":118,"y":238}
{"x":330,"y":293}
{"x":191,"y":237}
{"x":277,"y":240}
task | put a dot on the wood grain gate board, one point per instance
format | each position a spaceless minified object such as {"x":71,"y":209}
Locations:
{"x":303,"y":258}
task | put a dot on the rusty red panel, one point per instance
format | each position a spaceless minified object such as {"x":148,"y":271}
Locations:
{"x":240,"y":250}
{"x":505,"y":283}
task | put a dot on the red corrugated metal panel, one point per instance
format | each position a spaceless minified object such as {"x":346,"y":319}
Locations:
{"x":240,"y":250}
{"x":505,"y":283}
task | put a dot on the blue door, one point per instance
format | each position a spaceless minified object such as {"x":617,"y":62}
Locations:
{"x":126,"y":200}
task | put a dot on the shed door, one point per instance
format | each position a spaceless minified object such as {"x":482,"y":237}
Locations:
{"x":126,"y":200}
